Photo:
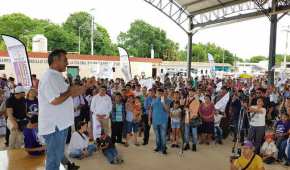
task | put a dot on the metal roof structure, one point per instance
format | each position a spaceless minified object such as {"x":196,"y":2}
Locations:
{"x":193,"y":15}
{"x":208,"y":13}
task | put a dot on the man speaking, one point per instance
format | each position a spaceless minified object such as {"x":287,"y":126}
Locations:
{"x":56,"y":112}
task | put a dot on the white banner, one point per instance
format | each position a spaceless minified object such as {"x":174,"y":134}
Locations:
{"x":147,"y":83}
{"x":219,"y":86}
{"x":222,"y":103}
{"x":211,"y":63}
{"x":125,"y":64}
{"x":19,"y":60}
{"x":104,"y":70}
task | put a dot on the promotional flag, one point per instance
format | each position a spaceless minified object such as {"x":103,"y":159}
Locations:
{"x":219,"y":86}
{"x":147,"y":83}
{"x":19,"y":60}
{"x":222,"y":103}
{"x":125,"y":64}
{"x":211,"y":63}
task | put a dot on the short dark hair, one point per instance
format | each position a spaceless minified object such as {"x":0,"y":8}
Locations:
{"x":80,"y":124}
{"x":104,"y":87}
{"x":34,"y":119}
{"x":56,"y":53}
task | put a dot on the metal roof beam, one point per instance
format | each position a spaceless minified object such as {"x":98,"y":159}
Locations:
{"x":243,"y":17}
{"x":224,"y":5}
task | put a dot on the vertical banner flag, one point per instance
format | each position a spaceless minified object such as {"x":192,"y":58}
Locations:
{"x":222,"y":103}
{"x":19,"y":60}
{"x":211,"y":63}
{"x":125,"y":64}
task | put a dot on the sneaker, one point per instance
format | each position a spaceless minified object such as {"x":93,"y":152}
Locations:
{"x":186,"y":147}
{"x":156,"y":150}
{"x":72,"y":166}
{"x":164,"y":152}
{"x":145,"y":143}
{"x":286,"y":164}
{"x":193,"y":147}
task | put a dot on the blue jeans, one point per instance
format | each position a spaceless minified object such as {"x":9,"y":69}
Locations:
{"x":55,"y":143}
{"x":187,"y":131}
{"x":111,"y":154}
{"x":282,"y":149}
{"x":78,"y":152}
{"x":160,"y":133}
{"x":218,"y":134}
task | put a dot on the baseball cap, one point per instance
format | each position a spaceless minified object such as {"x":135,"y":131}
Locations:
{"x":248,"y":144}
{"x":19,"y":89}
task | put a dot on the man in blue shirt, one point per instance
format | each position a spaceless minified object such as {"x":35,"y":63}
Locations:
{"x":160,"y":109}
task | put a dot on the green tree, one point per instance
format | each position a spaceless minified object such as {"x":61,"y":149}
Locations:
{"x":102,"y":42}
{"x":256,"y":59}
{"x":17,"y":25}
{"x":141,"y":35}
{"x":280,"y":59}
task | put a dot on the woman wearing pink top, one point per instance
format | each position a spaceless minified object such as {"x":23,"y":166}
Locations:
{"x":206,"y":111}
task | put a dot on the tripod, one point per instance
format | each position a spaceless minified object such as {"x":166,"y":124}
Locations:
{"x":236,"y":150}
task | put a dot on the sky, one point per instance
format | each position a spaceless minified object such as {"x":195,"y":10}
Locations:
{"x":245,"y":39}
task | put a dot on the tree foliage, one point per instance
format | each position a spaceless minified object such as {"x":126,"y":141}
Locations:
{"x":141,"y":36}
{"x":59,"y":36}
{"x":256,"y":59}
{"x":200,"y":53}
{"x":80,"y":23}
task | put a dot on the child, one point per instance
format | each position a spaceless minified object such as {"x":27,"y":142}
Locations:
{"x":117,"y":117}
{"x":109,"y":149}
{"x":31,"y":140}
{"x":175,"y":114}
{"x":217,"y":129}
{"x":33,"y":145}
{"x":269,"y":150}
{"x":133,"y":110}
{"x":79,"y":146}
{"x":281,"y":129}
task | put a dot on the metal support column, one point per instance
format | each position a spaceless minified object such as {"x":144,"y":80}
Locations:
{"x":189,"y":47}
{"x":272,"y":47}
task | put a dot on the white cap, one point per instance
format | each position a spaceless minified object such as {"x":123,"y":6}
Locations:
{"x":19,"y":89}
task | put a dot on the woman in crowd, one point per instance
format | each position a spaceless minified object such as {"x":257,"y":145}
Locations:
{"x":79,"y":146}
{"x":257,"y":123}
{"x":206,"y":111}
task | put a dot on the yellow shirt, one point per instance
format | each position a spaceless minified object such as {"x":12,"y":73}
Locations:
{"x":256,"y":164}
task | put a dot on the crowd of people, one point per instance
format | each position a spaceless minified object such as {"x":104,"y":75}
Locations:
{"x":181,"y":112}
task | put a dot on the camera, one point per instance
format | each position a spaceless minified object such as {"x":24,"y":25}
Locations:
{"x":236,"y":153}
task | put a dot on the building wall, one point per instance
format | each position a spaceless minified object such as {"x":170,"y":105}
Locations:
{"x":86,"y":67}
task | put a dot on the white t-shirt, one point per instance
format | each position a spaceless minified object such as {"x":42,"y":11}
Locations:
{"x":269,"y":148}
{"x":101,"y":105}
{"x":61,"y":116}
{"x":78,"y":142}
{"x":258,"y":119}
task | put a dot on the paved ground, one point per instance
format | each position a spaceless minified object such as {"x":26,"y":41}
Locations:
{"x":213,"y":157}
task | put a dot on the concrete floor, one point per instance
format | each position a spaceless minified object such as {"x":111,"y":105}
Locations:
{"x":213,"y":157}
